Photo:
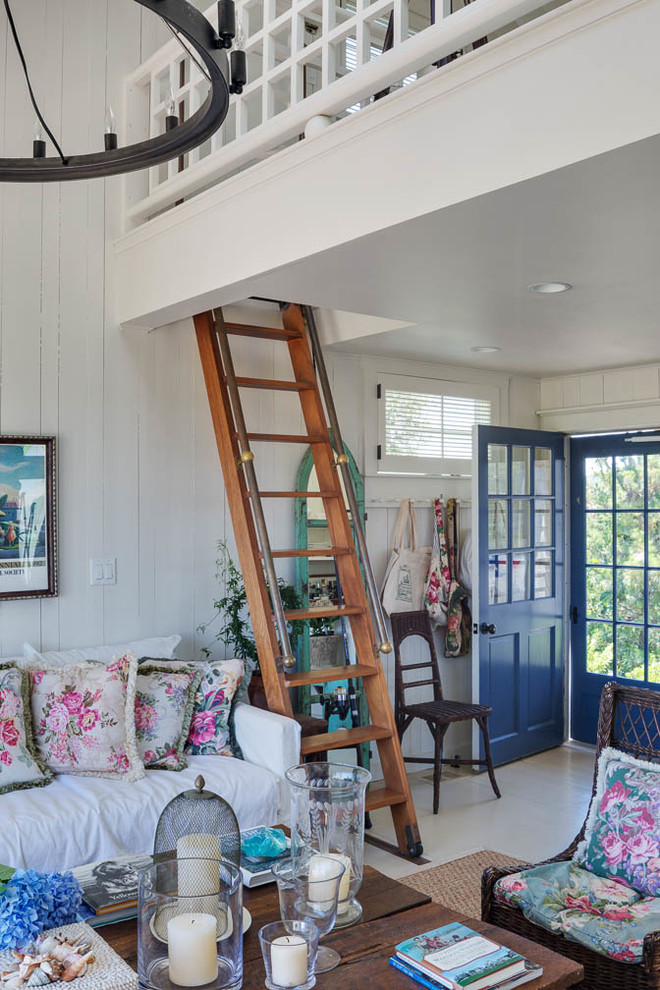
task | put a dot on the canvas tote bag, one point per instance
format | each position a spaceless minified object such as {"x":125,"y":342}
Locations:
{"x":436,"y":590}
{"x":403,"y":584}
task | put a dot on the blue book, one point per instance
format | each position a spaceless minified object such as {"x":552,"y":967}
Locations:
{"x":458,"y":958}
{"x":532,"y":972}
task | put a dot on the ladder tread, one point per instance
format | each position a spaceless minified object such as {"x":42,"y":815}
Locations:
{"x":343,"y":737}
{"x":267,"y":333}
{"x":383,"y":797}
{"x":314,"y":552}
{"x":274,"y":384}
{"x":326,"y":674}
{"x":298,"y":494}
{"x":329,"y":612}
{"x":284,"y":438}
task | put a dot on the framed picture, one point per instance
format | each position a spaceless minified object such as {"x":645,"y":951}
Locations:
{"x":28,"y":540}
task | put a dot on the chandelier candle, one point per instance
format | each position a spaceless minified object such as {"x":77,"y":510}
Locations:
{"x":191,"y":950}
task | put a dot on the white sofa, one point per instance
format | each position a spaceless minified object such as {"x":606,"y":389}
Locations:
{"x":78,"y":820}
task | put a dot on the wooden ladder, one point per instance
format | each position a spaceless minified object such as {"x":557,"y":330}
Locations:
{"x":361,"y":606}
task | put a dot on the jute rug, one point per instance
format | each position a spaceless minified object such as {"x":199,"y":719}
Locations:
{"x":457,"y":884}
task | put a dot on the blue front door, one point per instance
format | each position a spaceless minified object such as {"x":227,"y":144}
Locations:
{"x":615,"y":569}
{"x":520,"y":599}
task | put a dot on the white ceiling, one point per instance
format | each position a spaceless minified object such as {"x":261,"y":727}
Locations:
{"x":460,"y":274}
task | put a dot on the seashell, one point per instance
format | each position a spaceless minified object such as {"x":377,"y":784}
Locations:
{"x":38,"y":979}
{"x":77,"y":967}
{"x":47,"y":944}
{"x":16,"y":983}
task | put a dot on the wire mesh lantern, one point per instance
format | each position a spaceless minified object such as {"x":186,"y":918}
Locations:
{"x":199,"y":824}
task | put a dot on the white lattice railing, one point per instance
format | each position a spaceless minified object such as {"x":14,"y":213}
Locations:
{"x":305,"y":58}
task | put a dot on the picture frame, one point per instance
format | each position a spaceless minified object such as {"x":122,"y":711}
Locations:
{"x":28,"y":519}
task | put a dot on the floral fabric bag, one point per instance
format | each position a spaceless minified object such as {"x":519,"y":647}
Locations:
{"x":458,"y":640}
{"x":403,"y":585}
{"x":436,"y":590}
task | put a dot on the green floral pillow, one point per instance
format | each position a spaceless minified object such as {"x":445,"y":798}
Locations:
{"x":20,"y":766}
{"x":164,"y":702}
{"x":622,"y":836}
{"x":209,"y":729}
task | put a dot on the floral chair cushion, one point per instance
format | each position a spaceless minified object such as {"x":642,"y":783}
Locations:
{"x":209,"y":729}
{"x":20,"y":766}
{"x":83,"y":718}
{"x":603,"y":915}
{"x":164,"y":702}
{"x":622,"y":833}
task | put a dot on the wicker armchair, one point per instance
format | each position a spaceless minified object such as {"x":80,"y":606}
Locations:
{"x":629,"y":720}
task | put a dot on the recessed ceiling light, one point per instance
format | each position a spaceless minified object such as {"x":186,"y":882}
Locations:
{"x":549,"y":287}
{"x":485,"y":350}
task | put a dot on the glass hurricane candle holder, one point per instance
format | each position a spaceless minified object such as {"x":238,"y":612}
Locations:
{"x":190,"y":931}
{"x":309,"y":890}
{"x":327,"y":819}
{"x":289,"y":952}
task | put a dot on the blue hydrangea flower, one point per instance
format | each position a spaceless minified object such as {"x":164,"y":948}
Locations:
{"x":33,"y":902}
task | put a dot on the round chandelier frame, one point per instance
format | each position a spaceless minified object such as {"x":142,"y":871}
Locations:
{"x":210,"y":47}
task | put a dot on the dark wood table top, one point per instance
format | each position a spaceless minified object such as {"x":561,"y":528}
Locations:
{"x":392,"y":912}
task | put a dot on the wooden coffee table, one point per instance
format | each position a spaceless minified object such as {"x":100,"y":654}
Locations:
{"x":392,"y":912}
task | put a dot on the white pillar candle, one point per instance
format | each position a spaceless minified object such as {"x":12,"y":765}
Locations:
{"x":288,"y":961}
{"x":200,"y":877}
{"x":321,"y":887}
{"x":191,"y":950}
{"x":345,"y":885}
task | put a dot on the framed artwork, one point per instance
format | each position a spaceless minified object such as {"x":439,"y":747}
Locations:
{"x":28,"y":540}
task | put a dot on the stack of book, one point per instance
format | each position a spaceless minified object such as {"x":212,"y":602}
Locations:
{"x":456,"y":957}
{"x":110,"y":889}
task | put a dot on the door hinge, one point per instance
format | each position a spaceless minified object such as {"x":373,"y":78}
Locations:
{"x":574,"y":614}
{"x":379,"y":452}
{"x":379,"y":391}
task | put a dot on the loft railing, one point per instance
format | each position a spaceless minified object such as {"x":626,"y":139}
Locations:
{"x":305,"y":58}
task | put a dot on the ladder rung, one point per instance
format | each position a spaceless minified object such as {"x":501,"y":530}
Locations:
{"x":299,"y":494}
{"x":412,"y":684}
{"x":330,"y":612}
{"x":268,"y":333}
{"x":282,"y":438}
{"x":275,"y":384}
{"x":383,"y":797}
{"x":314,"y":552}
{"x":343,"y":738}
{"x":416,"y":666}
{"x":327,"y":674}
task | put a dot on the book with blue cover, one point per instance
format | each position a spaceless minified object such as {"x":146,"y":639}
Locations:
{"x":531,"y":972}
{"x":460,"y":959}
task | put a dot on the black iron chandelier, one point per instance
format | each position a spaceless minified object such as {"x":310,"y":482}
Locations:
{"x":206,"y":47}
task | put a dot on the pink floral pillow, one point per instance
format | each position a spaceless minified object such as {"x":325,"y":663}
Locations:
{"x":84,"y":718}
{"x":20,"y":766}
{"x":209,"y":729}
{"x":164,"y":703}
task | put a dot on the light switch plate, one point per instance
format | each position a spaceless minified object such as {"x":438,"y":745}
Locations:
{"x":103,"y":570}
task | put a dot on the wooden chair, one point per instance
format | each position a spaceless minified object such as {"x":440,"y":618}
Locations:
{"x":629,"y":720}
{"x":438,"y":713}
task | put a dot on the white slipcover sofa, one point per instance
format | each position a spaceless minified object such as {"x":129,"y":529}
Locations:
{"x":77,"y":820}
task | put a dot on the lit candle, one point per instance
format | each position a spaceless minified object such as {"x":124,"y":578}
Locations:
{"x":200,"y":875}
{"x":191,"y":950}
{"x":345,"y":885}
{"x":288,"y":960}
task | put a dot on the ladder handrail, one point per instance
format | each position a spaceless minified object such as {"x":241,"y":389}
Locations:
{"x":247,"y":460}
{"x":342,"y":460}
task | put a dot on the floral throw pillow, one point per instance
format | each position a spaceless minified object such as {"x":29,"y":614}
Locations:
{"x":209,"y":729}
{"x":20,"y":767}
{"x":84,"y":718}
{"x":164,"y":702}
{"x":622,"y":836}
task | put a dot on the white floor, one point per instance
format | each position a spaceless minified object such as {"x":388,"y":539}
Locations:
{"x":544,"y":802}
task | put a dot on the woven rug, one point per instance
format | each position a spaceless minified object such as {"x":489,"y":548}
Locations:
{"x":457,"y":884}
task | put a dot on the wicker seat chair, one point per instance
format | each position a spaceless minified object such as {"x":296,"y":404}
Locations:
{"x":629,"y":720}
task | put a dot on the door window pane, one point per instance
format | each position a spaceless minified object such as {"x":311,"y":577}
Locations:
{"x":630,"y":652}
{"x":654,"y":539}
{"x":630,"y":538}
{"x":498,"y":524}
{"x":522,"y":536}
{"x":629,"y":595}
{"x":543,"y":522}
{"x":498,"y":585}
{"x":542,"y":471}
{"x":600,"y":649}
{"x":521,"y":577}
{"x":520,"y":470}
{"x":498,"y":473}
{"x":654,"y":655}
{"x":653,"y":480}
{"x":598,"y":474}
{"x":600,"y":593}
{"x":543,"y":567}
{"x":599,"y":538}
{"x":630,"y":482}
{"x":654,"y":597}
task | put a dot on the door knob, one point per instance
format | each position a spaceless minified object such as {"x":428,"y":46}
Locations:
{"x":488,"y":628}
